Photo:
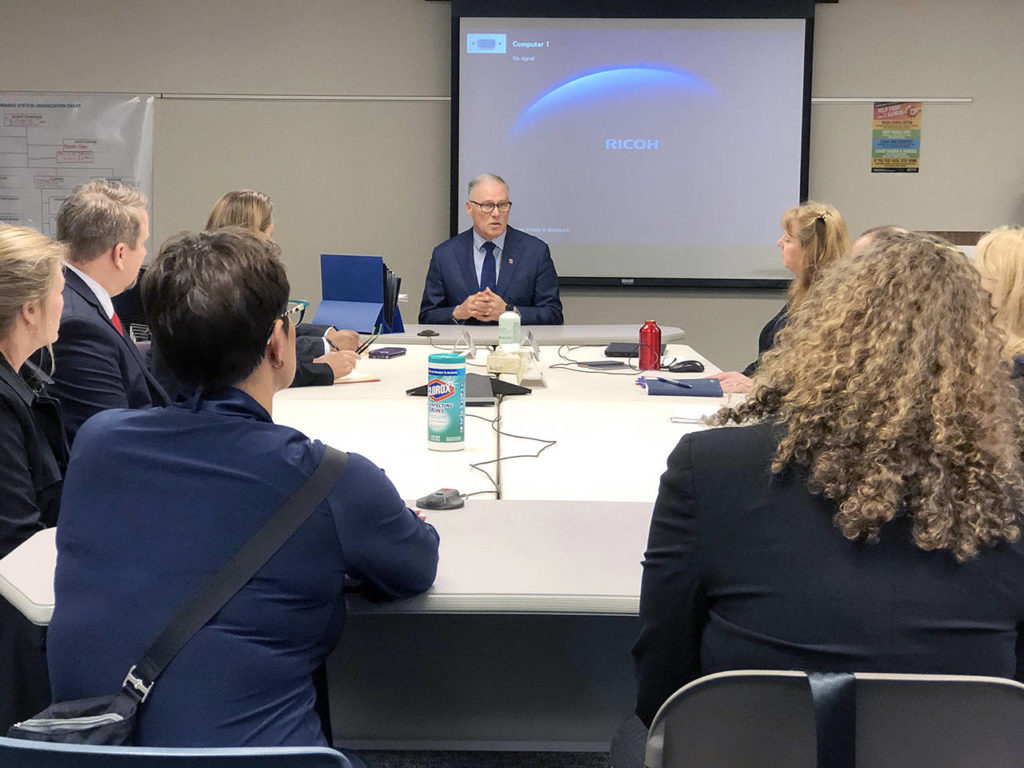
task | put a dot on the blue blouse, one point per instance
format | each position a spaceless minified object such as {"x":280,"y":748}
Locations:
{"x":155,"y":501}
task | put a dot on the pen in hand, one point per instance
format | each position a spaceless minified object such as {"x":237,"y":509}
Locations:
{"x":366,"y":344}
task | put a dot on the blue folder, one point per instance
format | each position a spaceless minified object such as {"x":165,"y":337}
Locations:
{"x":685,"y":387}
{"x":355,"y":294}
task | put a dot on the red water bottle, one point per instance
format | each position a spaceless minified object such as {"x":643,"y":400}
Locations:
{"x":650,"y":347}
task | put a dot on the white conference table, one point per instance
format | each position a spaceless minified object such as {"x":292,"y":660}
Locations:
{"x":612,"y":439}
{"x":523,"y":642}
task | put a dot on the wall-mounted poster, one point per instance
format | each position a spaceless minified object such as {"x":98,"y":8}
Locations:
{"x":51,"y":142}
{"x":896,"y":137}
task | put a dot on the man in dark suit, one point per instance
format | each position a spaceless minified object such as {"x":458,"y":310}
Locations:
{"x":97,"y":365}
{"x":479,"y":273}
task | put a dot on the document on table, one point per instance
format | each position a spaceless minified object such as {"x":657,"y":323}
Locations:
{"x":355,"y":378}
{"x":694,"y":412}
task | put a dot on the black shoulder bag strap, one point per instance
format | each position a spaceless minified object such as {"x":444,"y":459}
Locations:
{"x":235,"y":574}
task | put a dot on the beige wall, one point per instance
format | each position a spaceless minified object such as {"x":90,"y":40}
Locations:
{"x":368,"y":172}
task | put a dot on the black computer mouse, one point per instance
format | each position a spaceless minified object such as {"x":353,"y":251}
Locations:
{"x":428,"y":332}
{"x":443,"y":498}
{"x":687,"y":366}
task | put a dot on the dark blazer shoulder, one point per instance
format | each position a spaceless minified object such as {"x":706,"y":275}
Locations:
{"x":766,"y":339}
{"x":34,"y":434}
{"x":78,"y":297}
{"x":524,"y":238}
{"x":740,"y":441}
{"x":457,"y":244}
{"x":727,"y":465}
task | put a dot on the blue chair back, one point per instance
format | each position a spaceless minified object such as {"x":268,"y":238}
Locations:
{"x":18,"y":753}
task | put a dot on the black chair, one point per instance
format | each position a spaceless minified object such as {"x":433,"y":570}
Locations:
{"x":762,"y":719}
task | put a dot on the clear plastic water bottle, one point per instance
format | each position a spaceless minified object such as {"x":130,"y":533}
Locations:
{"x":650,"y":347}
{"x":446,"y":402}
{"x":510,"y":330}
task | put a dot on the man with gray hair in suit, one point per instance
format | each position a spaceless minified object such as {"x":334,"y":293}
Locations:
{"x":491,"y":268}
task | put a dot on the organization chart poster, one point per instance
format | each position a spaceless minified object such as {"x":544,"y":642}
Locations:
{"x":896,"y":137}
{"x":51,"y":142}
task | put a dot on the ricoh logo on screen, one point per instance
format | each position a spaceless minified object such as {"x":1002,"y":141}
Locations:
{"x":439,"y":390}
{"x":630,"y":143}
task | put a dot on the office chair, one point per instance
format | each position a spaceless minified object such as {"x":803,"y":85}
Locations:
{"x":762,"y":719}
{"x":18,"y":753}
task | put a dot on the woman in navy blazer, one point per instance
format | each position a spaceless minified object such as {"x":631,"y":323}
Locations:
{"x":156,"y":501}
{"x":33,"y":451}
{"x":869,"y":516}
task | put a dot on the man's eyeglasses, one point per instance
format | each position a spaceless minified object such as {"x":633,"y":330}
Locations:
{"x":488,"y":207}
{"x":295,"y":310}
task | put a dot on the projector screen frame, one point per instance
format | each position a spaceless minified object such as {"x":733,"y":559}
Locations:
{"x":649,"y":9}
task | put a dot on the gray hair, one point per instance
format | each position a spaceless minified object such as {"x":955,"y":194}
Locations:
{"x":481,"y":178}
{"x":98,"y":215}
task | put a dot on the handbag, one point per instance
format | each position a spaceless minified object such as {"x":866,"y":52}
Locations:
{"x":111,"y":719}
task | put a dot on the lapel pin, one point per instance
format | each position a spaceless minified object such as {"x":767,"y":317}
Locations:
{"x":510,"y":261}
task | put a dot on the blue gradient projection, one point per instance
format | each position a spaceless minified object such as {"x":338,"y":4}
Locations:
{"x":606,"y":85}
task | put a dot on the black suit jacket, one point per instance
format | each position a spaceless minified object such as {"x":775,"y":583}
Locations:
{"x":766,"y":340}
{"x":745,"y":570}
{"x":33,"y":455}
{"x":309,"y":345}
{"x":96,"y":368}
{"x":527,"y":279}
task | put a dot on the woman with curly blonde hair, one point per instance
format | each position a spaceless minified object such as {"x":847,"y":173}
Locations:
{"x":814,"y":235}
{"x":883,"y":413}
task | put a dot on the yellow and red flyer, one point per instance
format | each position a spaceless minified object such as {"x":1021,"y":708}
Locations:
{"x":896,"y":137}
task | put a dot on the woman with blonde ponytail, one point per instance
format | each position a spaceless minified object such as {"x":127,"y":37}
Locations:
{"x":814,"y":235}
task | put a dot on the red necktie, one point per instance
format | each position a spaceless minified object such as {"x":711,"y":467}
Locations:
{"x":117,"y":323}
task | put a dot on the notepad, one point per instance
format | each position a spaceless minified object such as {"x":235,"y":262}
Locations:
{"x":357,"y":379}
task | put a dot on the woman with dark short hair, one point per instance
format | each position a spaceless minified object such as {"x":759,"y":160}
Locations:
{"x":867,"y":516}
{"x":33,"y":451}
{"x":156,"y":501}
